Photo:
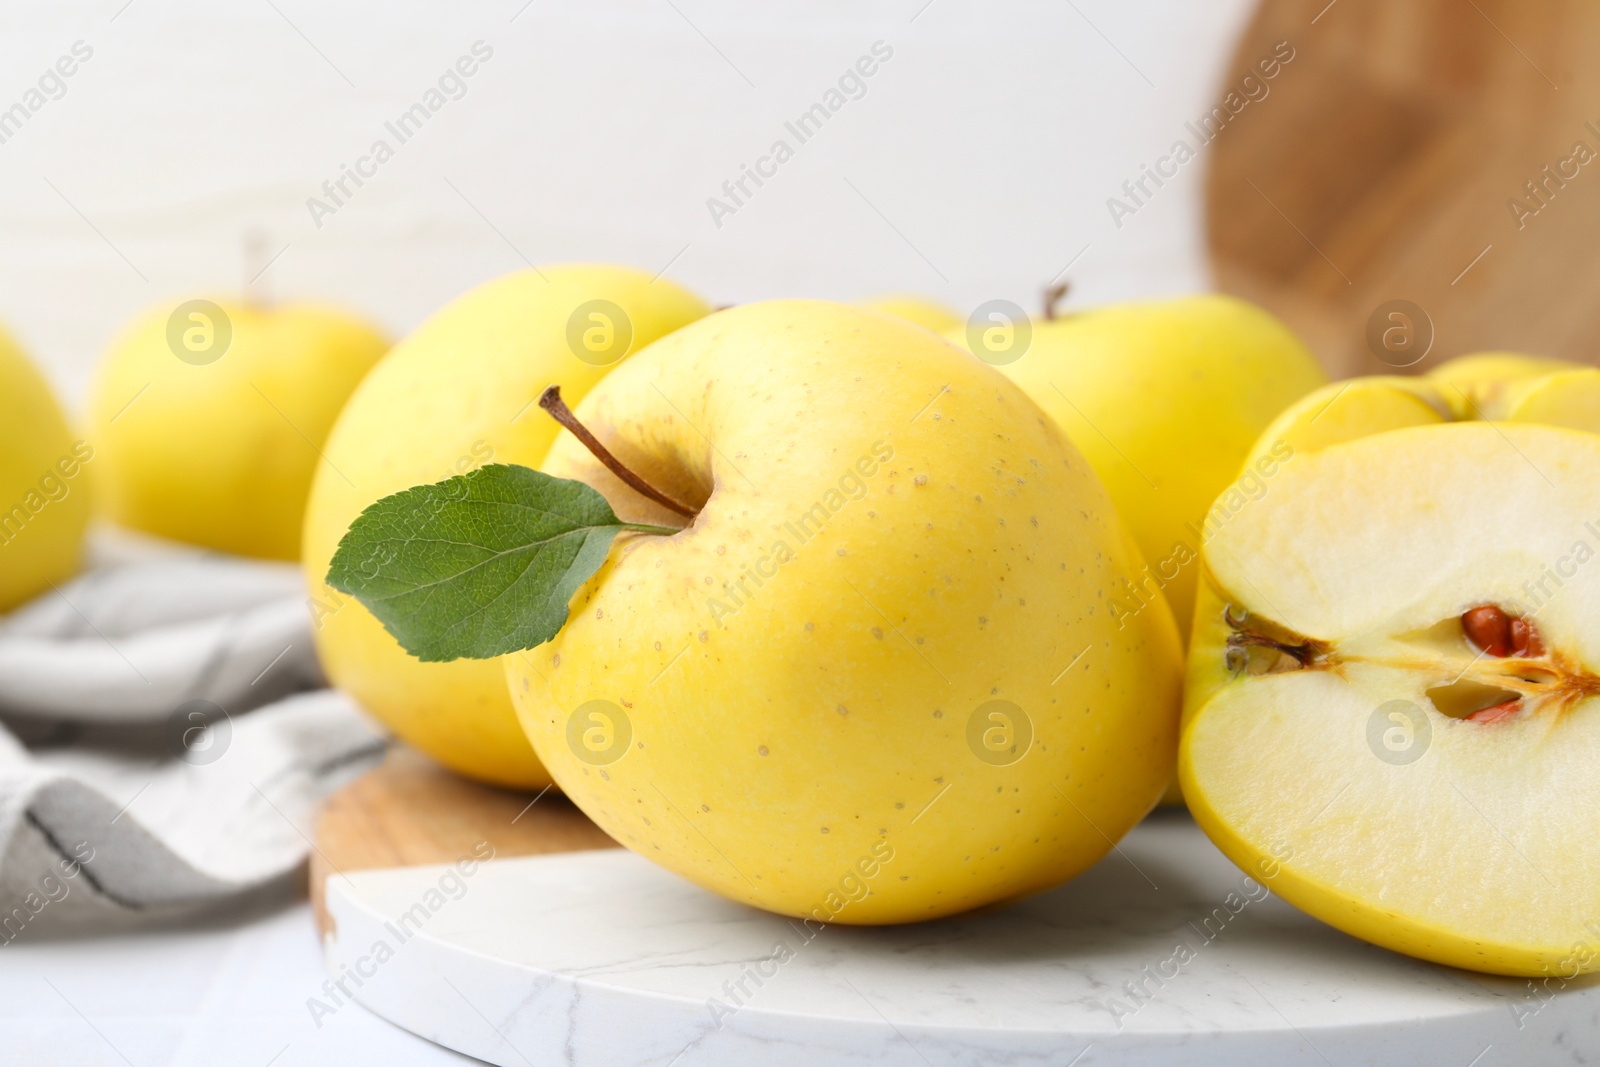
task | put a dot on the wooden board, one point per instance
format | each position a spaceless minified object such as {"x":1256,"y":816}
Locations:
{"x":410,"y":812}
{"x":1382,"y":164}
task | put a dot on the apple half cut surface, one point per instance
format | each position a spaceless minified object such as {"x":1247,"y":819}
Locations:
{"x":1392,"y":716}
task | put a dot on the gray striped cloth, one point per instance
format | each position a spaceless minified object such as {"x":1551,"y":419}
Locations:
{"x":166,"y":739}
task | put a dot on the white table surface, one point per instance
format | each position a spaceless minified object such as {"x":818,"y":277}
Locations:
{"x":218,"y":997}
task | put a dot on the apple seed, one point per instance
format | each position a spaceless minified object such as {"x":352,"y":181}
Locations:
{"x":1496,"y":712}
{"x":1525,"y":639}
{"x":1500,"y":635}
{"x":1489,"y":629}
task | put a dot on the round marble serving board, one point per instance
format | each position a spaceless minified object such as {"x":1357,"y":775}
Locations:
{"x":1164,"y":953}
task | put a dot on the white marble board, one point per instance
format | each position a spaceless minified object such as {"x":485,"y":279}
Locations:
{"x":1162,"y":954}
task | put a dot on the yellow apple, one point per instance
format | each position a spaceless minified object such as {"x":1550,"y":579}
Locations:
{"x":1392,"y":718}
{"x":44,"y":498}
{"x":457,"y":393}
{"x":876,"y":679}
{"x":1165,"y":398}
{"x":1568,"y":398}
{"x":208,"y":419}
{"x":1471,"y":384}
{"x":928,"y":314}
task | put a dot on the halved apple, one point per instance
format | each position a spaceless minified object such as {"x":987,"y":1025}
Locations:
{"x":1475,"y":383}
{"x":1392,"y":715}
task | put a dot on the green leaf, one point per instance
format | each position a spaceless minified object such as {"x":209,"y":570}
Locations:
{"x":479,"y":565}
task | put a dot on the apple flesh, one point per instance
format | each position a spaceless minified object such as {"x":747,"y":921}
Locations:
{"x":875,"y":679}
{"x":1392,"y":716}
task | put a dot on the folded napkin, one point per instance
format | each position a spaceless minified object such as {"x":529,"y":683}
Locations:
{"x":165,"y":739}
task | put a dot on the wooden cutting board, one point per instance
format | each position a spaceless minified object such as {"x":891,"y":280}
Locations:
{"x":1383,"y":164}
{"x":410,"y":812}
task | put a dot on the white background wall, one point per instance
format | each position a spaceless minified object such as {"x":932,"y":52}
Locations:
{"x":977,"y":165}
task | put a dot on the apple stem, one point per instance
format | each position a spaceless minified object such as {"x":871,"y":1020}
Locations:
{"x":551,"y":401}
{"x":1053,"y":296}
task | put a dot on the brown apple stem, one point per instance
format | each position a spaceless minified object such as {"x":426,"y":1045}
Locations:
{"x":1053,"y":296}
{"x":551,"y":401}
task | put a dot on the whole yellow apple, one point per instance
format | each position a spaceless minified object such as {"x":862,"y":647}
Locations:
{"x":44,"y":498}
{"x":457,"y":393}
{"x":876,"y":678}
{"x":208,"y":419}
